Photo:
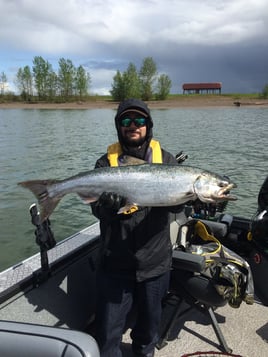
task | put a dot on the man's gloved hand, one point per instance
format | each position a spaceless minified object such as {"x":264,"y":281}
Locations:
{"x":111,"y":200}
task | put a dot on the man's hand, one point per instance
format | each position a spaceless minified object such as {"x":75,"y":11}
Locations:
{"x":111,"y":200}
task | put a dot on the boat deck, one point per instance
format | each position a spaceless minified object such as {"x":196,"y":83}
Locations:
{"x":245,"y":330}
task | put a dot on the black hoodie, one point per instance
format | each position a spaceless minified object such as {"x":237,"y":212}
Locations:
{"x":136,"y":245}
{"x":138,"y":106}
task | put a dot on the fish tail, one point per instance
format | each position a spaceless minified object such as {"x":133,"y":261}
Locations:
{"x":40,"y":189}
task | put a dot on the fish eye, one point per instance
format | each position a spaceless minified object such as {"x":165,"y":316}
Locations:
{"x":222,"y":183}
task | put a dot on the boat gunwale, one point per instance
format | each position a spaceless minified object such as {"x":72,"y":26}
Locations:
{"x":22,"y":274}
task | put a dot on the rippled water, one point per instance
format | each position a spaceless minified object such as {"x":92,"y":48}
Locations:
{"x":60,"y":143}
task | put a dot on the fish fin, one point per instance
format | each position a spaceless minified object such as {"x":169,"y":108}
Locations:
{"x":86,"y":199}
{"x":40,"y":189}
{"x":128,"y":209}
{"x":126,"y":160}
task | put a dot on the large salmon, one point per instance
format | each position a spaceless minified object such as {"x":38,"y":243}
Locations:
{"x":150,"y":185}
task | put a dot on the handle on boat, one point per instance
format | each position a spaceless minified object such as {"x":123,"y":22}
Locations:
{"x":43,"y":233}
{"x":44,"y":237}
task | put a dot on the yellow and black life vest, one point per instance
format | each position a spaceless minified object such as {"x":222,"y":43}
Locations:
{"x":115,"y":150}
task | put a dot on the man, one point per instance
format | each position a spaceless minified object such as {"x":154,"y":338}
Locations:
{"x":136,"y":250}
{"x":263,"y":196}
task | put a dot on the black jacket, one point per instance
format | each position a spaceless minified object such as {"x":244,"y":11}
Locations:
{"x":136,"y":245}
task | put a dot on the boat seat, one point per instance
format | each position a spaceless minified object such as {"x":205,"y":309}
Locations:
{"x":219,"y":228}
{"x":190,"y":284}
{"x":31,"y":340}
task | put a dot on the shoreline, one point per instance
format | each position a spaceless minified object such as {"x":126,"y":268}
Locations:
{"x":184,"y":102}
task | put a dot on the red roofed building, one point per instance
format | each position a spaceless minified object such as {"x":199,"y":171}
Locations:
{"x":199,"y":88}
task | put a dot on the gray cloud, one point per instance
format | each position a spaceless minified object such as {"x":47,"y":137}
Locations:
{"x":191,"y":41}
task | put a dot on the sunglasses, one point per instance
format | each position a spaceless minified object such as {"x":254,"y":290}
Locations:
{"x":139,"y":122}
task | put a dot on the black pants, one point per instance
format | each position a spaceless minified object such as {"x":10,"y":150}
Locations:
{"x":116,"y":295}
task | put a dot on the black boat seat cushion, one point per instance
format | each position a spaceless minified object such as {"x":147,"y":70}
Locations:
{"x":184,"y":279}
{"x":188,"y":261}
{"x":219,"y":229}
{"x":31,"y":340}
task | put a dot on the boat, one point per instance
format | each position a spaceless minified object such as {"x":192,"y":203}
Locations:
{"x":47,"y":301}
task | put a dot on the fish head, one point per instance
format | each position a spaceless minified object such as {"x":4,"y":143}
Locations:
{"x":212,"y":188}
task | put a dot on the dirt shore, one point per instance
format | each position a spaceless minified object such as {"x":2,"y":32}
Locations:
{"x":181,"y":102}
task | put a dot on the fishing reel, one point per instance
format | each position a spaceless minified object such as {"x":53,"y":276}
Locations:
{"x":208,"y":210}
{"x":181,"y":157}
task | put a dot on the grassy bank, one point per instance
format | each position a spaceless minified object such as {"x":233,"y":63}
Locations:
{"x":173,"y":101}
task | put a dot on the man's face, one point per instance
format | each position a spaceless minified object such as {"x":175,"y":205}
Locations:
{"x":133,"y":133}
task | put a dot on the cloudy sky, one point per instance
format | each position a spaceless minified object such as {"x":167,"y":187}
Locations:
{"x":190,"y":40}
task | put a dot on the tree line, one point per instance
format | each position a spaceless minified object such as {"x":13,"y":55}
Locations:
{"x":145,"y":83}
{"x":41,"y":82}
{"x":70,"y":83}
{"x":44,"y":83}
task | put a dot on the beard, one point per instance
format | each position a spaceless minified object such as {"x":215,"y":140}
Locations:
{"x":136,"y":150}
{"x":134,"y":143}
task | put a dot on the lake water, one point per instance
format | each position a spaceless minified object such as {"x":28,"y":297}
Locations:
{"x":38,"y":144}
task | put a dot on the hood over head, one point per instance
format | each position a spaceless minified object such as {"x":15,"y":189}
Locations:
{"x":138,"y":106}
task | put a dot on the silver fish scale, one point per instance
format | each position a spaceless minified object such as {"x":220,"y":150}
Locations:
{"x":145,"y":185}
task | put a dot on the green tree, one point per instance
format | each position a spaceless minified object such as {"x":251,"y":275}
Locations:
{"x":24,"y":81}
{"x":3,"y":82}
{"x":66,"y":78}
{"x":127,"y":84}
{"x":265,"y":91}
{"x":163,"y":87}
{"x":41,"y":72}
{"x":52,"y":85}
{"x":117,"y":91}
{"x":131,"y":82}
{"x":148,"y":73}
{"x":82,"y":82}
